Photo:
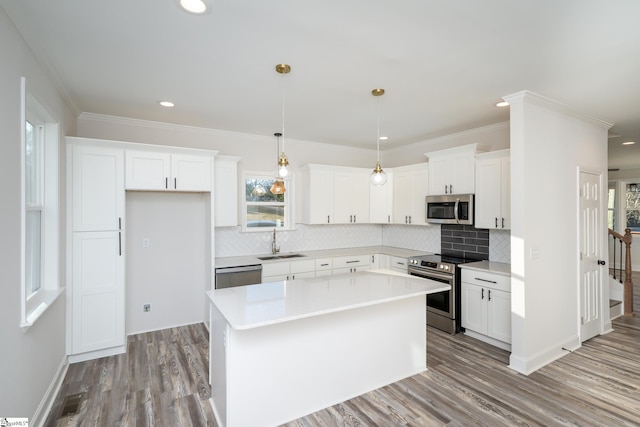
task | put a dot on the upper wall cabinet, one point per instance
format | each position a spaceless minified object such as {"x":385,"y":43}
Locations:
{"x":164,"y":171}
{"x":317,"y":194}
{"x":97,"y":188}
{"x":410,"y":184}
{"x":452,"y":171}
{"x":381,"y":201}
{"x":351,"y":195}
{"x":493,"y":190}
{"x":226,"y":191}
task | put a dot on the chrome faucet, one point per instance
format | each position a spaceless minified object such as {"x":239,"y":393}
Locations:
{"x":274,"y":247}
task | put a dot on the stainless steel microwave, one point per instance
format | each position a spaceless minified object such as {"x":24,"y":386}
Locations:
{"x":450,"y":209}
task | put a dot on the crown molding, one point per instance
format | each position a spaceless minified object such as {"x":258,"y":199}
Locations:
{"x":529,"y":97}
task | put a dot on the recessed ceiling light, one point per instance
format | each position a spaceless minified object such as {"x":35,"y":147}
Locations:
{"x":384,"y":138}
{"x":167,"y":104}
{"x":194,"y":6}
{"x":502,"y":104}
{"x":628,"y":143}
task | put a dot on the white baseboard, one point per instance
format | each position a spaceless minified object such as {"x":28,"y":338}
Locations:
{"x":49,"y":397}
{"x":529,"y":365}
{"x":74,"y":358}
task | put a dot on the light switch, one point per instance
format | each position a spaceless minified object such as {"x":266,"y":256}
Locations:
{"x":534,"y":253}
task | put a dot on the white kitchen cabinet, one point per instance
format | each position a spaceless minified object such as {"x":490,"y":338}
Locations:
{"x":317,"y":193}
{"x":401,"y":265}
{"x":324,"y":267}
{"x":410,"y":184}
{"x":381,"y":201}
{"x":379,"y":261}
{"x":95,"y":185}
{"x":97,"y":188}
{"x":288,"y":270}
{"x":226,"y":191}
{"x":351,"y":264}
{"x":97,"y":291}
{"x":452,"y":171}
{"x":486,"y":306}
{"x":166,"y":171}
{"x":493,"y":190}
{"x":351,"y":195}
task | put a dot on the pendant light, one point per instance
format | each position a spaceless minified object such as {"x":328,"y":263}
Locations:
{"x":278,"y":183}
{"x":283,"y":162}
{"x":378,"y":177}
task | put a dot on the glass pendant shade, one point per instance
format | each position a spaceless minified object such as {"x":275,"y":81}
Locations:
{"x":278,"y":187}
{"x":283,"y":162}
{"x":378,"y":177}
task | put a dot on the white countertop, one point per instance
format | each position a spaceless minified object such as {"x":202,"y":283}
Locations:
{"x":489,"y":266}
{"x":327,"y":253}
{"x":253,"y":306}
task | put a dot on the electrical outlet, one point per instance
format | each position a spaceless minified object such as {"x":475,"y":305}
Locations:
{"x":146,"y":307}
{"x":145,"y":243}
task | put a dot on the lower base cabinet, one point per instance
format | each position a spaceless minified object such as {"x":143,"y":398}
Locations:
{"x":486,"y":306}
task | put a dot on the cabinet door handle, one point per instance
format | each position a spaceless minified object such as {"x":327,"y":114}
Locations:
{"x":389,"y":219}
{"x":450,"y":189}
{"x":445,"y":189}
{"x":485,"y":280}
{"x":482,"y":295}
{"x":351,"y":262}
{"x":166,"y":183}
{"x":324,"y":265}
{"x":119,"y":243}
{"x":496,"y":222}
{"x":502,"y":222}
{"x":120,"y":223}
{"x":354,"y":218}
{"x":372,"y":258}
{"x":175,"y":183}
{"x":409,"y":219}
{"x":489,"y":295}
{"x":327,"y":219}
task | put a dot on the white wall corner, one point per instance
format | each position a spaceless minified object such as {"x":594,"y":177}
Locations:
{"x":528,"y":365}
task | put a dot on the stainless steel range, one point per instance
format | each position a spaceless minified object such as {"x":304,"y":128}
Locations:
{"x":443,"y":308}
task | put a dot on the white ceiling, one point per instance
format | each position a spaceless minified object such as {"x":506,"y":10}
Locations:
{"x":444,"y":64}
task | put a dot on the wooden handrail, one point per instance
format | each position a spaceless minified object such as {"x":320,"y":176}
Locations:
{"x":628,"y":283}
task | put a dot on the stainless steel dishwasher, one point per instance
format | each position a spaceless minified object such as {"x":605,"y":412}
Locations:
{"x":228,"y":277}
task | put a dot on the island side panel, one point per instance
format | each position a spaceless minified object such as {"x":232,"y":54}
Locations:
{"x":218,"y":328}
{"x":280,"y":372}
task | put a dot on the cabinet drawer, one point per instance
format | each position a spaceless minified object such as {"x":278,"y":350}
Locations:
{"x":350,"y":261}
{"x":323,"y":264}
{"x":303,"y":266}
{"x":275,"y":269}
{"x":399,"y":264}
{"x":487,"y":279}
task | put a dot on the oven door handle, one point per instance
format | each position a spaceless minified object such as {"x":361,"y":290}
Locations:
{"x":428,"y":275}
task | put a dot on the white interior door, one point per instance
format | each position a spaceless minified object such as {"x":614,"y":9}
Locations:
{"x":590,"y":213}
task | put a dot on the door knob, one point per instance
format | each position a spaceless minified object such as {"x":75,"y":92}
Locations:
{"x":601,"y":262}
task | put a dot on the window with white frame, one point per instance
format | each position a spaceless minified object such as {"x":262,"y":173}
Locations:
{"x":262,"y":209}
{"x":632,"y":206}
{"x":40,"y":218}
{"x":611,"y":205}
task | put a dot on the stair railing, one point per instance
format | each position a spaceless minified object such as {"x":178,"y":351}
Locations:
{"x":628,"y":283}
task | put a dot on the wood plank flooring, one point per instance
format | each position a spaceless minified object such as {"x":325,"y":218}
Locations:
{"x":162,"y":381}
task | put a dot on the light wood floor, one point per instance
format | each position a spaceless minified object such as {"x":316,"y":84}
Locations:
{"x":162,"y":381}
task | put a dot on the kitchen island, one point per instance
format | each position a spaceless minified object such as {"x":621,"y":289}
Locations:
{"x":282,"y":350}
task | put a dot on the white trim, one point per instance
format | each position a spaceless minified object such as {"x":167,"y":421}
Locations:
{"x":548,"y":103}
{"x":50,"y":395}
{"x":112,"y":351}
{"x":544,"y":357}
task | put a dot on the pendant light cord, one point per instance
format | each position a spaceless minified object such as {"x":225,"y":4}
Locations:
{"x":378,"y":139}
{"x":283,"y":88}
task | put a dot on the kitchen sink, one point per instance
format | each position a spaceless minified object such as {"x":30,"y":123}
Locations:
{"x":283,"y":256}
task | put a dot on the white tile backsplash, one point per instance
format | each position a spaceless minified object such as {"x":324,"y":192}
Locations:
{"x":500,"y":246}
{"x":230,"y":241}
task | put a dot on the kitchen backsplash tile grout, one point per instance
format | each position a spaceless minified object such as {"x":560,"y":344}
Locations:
{"x":230,"y":241}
